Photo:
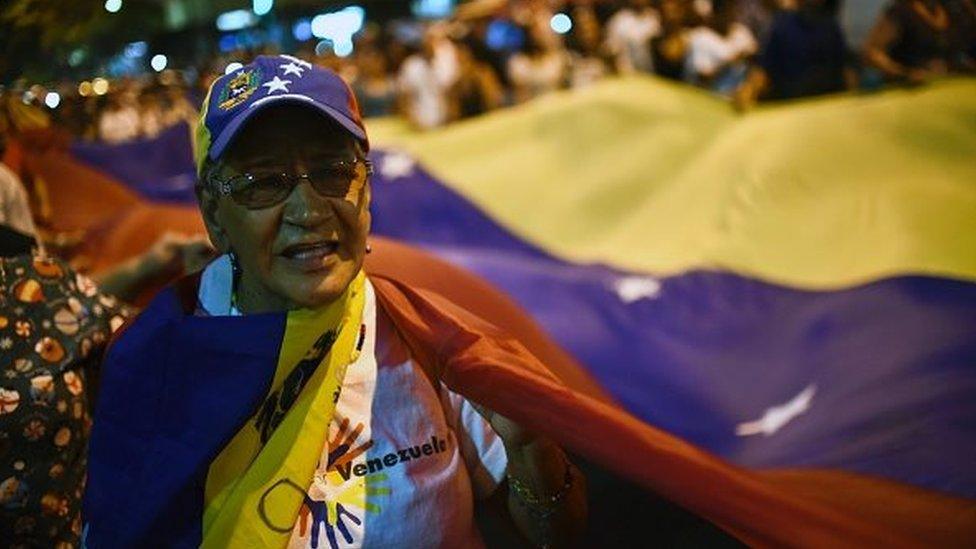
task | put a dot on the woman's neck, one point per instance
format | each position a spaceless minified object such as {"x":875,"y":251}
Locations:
{"x":251,"y":297}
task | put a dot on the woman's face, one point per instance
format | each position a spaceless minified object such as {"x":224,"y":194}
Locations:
{"x":305,"y":250}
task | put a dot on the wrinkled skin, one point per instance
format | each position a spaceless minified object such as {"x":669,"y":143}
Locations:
{"x":292,"y":139}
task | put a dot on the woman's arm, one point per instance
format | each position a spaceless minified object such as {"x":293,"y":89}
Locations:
{"x":170,"y":256}
{"x":546,"y":492}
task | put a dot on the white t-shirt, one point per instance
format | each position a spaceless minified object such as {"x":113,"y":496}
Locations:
{"x":709,"y":50}
{"x":537,"y":74}
{"x":117,"y":126}
{"x":628,"y":37}
{"x":424,"y":85}
{"x":586,"y":71}
{"x":403,"y":462}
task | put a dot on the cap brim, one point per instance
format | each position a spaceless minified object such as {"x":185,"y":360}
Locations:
{"x":234,"y":126}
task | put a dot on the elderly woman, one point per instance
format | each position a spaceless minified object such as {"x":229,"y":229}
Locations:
{"x":275,"y":400}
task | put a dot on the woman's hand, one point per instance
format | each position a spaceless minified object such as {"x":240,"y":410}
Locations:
{"x":546,"y":493}
{"x":175,"y":254}
{"x":171,"y":256}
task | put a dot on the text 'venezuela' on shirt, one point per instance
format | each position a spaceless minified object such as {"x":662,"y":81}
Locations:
{"x":417,"y":451}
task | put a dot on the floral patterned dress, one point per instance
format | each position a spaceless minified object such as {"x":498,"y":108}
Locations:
{"x":54,"y":327}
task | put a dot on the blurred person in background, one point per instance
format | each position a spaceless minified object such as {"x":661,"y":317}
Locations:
{"x":701,"y":11}
{"x":14,"y":204}
{"x":119,"y":121}
{"x":962,"y":13}
{"x":425,"y":78}
{"x":477,"y":89}
{"x":151,"y":121}
{"x":535,"y":16}
{"x":90,"y":109}
{"x":71,"y":114}
{"x":477,"y":41}
{"x":719,"y":52}
{"x":176,"y":107}
{"x":439,"y":40}
{"x":588,"y":60}
{"x":758,"y":16}
{"x":374,"y":89}
{"x":628,"y":36}
{"x":536,"y":69}
{"x":916,"y":40}
{"x":806,"y":55}
{"x":670,"y":49}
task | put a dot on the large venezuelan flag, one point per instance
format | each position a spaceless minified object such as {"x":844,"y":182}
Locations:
{"x":790,"y":292}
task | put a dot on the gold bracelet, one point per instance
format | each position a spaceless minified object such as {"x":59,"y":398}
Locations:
{"x":542,"y":506}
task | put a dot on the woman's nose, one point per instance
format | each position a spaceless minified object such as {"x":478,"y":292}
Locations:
{"x":304,"y":207}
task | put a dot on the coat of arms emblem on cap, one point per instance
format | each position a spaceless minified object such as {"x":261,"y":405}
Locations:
{"x":238,"y":89}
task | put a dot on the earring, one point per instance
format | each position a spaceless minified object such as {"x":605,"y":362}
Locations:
{"x":369,"y":249}
{"x":235,"y":278}
{"x":235,"y":264}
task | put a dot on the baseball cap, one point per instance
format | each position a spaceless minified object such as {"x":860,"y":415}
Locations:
{"x":271,"y":80}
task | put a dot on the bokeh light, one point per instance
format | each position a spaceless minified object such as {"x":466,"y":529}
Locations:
{"x":100,"y":86}
{"x":52,"y":99}
{"x":261,"y":7}
{"x":561,"y":23}
{"x":158,"y":62}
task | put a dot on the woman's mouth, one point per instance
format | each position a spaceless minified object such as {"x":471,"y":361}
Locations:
{"x":310,"y":256}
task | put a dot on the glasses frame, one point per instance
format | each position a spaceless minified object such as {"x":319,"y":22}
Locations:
{"x":225,"y":187}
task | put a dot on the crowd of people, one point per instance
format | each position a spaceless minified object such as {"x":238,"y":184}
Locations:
{"x":744,"y":50}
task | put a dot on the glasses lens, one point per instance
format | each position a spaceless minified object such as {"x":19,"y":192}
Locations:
{"x":335,"y":180}
{"x":260,"y":191}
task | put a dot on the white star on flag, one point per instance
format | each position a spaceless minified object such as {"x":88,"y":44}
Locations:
{"x":301,"y":62}
{"x":277,"y":84}
{"x":292,"y":68}
{"x":634,"y":288}
{"x":396,"y":165}
{"x":774,"y":418}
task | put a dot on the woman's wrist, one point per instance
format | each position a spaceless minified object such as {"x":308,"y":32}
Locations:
{"x":538,"y":466}
{"x":546,"y":494}
{"x":543,"y":501}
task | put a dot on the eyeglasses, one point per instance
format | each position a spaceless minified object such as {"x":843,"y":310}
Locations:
{"x":262,"y":190}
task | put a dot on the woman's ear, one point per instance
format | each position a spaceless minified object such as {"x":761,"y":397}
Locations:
{"x":366,"y":218}
{"x":208,"y":210}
